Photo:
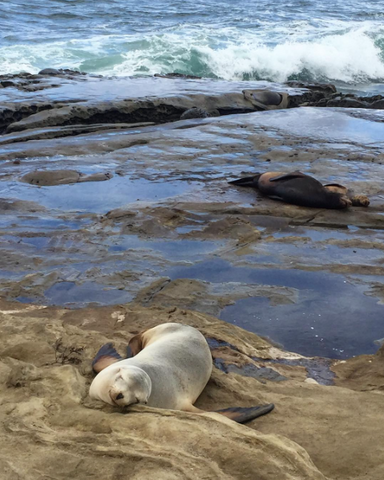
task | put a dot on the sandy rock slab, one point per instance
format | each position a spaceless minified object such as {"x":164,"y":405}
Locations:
{"x":62,"y":177}
{"x":49,"y":427}
{"x":56,"y":432}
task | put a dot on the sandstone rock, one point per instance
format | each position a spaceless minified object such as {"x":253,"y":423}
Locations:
{"x":327,"y":89}
{"x":49,"y":71}
{"x":147,"y":443}
{"x":7,"y":83}
{"x":347,"y":102}
{"x":50,"y":427}
{"x":60,"y":71}
{"x":55,"y":177}
{"x":177,"y":75}
{"x":62,"y":177}
{"x":378,"y":104}
{"x":156,"y":109}
{"x":194,"y":113}
{"x":39,"y":353}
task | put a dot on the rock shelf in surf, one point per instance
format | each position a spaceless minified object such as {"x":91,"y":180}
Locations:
{"x":42,"y":99}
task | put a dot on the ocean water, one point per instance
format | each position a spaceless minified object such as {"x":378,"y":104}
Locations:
{"x":310,"y":40}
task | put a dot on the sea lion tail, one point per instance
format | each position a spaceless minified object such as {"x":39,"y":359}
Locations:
{"x":246,"y":414}
{"x":246,"y":181}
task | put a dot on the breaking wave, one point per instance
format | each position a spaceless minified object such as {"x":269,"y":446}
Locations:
{"x":340,"y":52}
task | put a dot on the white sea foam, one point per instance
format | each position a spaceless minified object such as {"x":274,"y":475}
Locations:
{"x":350,"y":57}
{"x":337,"y":51}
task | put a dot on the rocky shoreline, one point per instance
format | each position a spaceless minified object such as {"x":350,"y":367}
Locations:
{"x":38,"y":112}
{"x":116,"y":215}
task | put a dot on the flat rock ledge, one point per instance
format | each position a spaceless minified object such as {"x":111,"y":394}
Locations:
{"x":49,"y":428}
{"x":43,"y":101}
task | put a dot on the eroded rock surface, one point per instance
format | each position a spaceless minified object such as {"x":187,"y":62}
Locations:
{"x":165,"y":99}
{"x":49,"y":425}
{"x":168,"y":234}
{"x":169,"y":214}
{"x":61,"y":177}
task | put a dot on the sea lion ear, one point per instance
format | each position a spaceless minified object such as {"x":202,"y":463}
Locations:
{"x":135,"y":345}
{"x":105,"y":357}
{"x":287,"y":176}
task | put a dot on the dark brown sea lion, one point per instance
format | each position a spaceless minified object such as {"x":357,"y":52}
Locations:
{"x":300,"y":189}
{"x":266,"y":99}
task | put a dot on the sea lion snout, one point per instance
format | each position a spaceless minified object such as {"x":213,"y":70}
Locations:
{"x":116,"y":397}
{"x":123,"y":399}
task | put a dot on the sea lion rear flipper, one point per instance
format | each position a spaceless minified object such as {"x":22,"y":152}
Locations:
{"x":105,"y":357}
{"x":246,"y":414}
{"x":246,"y":181}
{"x":135,"y":345}
{"x":287,"y":176}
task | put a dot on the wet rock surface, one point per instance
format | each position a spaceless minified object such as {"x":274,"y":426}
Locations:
{"x":61,"y":177}
{"x":166,"y":213}
{"x":64,"y":97}
{"x":106,"y":197}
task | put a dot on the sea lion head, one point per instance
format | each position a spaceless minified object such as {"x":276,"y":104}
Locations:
{"x":124,"y":385}
{"x":337,"y":200}
{"x":130,"y":385}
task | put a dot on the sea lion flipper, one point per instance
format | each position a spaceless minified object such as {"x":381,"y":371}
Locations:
{"x":246,"y":414}
{"x":287,"y":176}
{"x":105,"y":357}
{"x":129,"y":352}
{"x":135,"y":345}
{"x":246,"y":181}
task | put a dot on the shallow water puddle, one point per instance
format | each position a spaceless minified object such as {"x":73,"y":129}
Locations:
{"x":40,"y":224}
{"x":332,"y":318}
{"x":327,"y":124}
{"x":72,"y":295}
{"x":96,"y":197}
{"x":185,"y":250}
{"x":105,"y":271}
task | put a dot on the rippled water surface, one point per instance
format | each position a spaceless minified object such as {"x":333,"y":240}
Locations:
{"x":341,"y":41}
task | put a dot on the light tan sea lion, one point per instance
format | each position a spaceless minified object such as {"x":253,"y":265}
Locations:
{"x":300,"y":189}
{"x":170,"y":366}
